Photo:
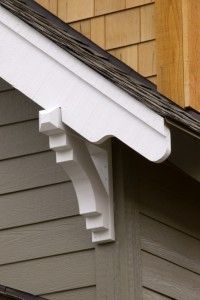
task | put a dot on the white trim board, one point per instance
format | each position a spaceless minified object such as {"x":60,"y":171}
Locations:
{"x":91,"y":105}
{"x":89,"y":168}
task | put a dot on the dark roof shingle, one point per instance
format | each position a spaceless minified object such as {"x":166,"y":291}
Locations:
{"x":102,"y":62}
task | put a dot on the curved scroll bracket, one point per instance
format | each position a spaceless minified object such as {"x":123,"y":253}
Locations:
{"x":88,"y":166}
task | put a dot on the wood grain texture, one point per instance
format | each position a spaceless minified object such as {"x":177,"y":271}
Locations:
{"x":150,"y":295}
{"x":147,"y":58}
{"x":88,"y":293}
{"x":93,"y":29}
{"x":44,"y":239}
{"x":169,"y":279}
{"x":62,"y":10}
{"x":21,"y":139}
{"x":51,"y":274}
{"x":30,"y":172}
{"x":171,"y":244}
{"x":118,"y":35}
{"x":118,"y":264}
{"x":83,"y":27}
{"x":107,"y":6}
{"x":70,"y":10}
{"x":15,"y":107}
{"x":129,"y":55}
{"x":147,"y":22}
{"x":133,"y":3}
{"x":53,"y":6}
{"x":191,"y":44}
{"x":169,"y":45}
{"x":38,"y":205}
{"x":178,"y":41}
{"x":98,"y":31}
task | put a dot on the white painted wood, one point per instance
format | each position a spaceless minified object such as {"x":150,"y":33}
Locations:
{"x":91,"y":105}
{"x":89,"y":173}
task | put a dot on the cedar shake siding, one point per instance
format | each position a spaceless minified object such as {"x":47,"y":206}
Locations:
{"x":101,"y":21}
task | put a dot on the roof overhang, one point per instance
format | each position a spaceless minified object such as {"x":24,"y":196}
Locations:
{"x":90,"y":104}
{"x":79,"y":102}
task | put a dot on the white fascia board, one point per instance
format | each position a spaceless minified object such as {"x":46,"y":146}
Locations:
{"x":90,"y":104}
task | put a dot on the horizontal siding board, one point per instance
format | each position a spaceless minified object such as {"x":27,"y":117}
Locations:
{"x":52,"y":274}
{"x":15,"y":107}
{"x":79,"y":294}
{"x":170,"y":178}
{"x":169,"y":279}
{"x":150,"y":295}
{"x":21,"y":139}
{"x":171,"y":187}
{"x":30,"y":172}
{"x":38,"y":205}
{"x":171,"y":244}
{"x":185,"y":207}
{"x":44,"y":239}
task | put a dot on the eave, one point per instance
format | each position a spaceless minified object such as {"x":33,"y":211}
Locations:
{"x":90,"y":104}
{"x":80,"y":108}
{"x":87,"y":97}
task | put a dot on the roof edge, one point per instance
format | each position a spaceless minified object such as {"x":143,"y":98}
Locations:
{"x":52,"y":78}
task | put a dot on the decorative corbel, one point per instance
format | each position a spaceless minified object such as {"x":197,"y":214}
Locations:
{"x":88,"y":166}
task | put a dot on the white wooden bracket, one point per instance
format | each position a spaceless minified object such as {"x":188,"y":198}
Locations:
{"x":89,"y":168}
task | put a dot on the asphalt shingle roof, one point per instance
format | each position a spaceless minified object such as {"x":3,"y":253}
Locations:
{"x":102,"y":62}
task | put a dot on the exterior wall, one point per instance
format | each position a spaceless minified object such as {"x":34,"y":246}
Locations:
{"x":44,"y":246}
{"x":125,"y":28}
{"x":165,"y":216}
{"x":178,"y":44}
